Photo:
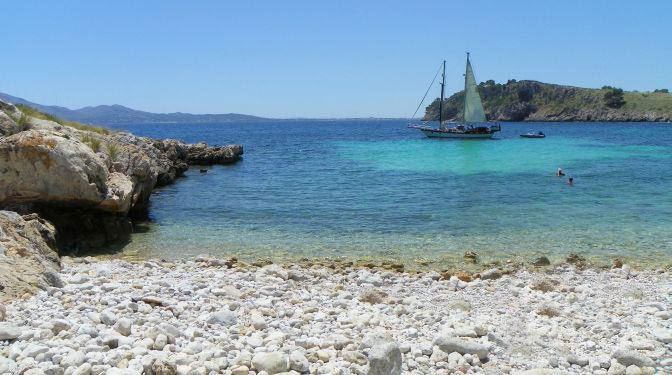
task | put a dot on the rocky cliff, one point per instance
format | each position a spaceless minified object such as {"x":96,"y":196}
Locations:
{"x":88,"y":184}
{"x":537,"y":101}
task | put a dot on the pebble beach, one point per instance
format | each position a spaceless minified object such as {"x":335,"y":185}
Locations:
{"x":219,"y":316}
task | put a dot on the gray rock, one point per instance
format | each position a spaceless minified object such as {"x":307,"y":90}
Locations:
{"x":60,"y":325}
{"x":541,"y":261}
{"x":224,"y":317}
{"x":123,"y":326}
{"x":107,"y":317}
{"x":73,"y":358}
{"x":32,"y":350}
{"x":375,"y":339}
{"x":629,"y":357}
{"x":354,"y":356}
{"x":385,"y":360}
{"x":574,"y":360}
{"x":453,"y":344}
{"x":491,"y":274}
{"x":272,"y":363}
{"x":663,"y":335}
{"x":160,"y":367}
{"x":298,"y":362}
{"x":111,"y":340}
{"x":616,"y":368}
{"x":9,"y":331}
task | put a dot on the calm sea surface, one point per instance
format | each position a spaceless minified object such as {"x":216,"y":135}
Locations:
{"x":377,"y":189}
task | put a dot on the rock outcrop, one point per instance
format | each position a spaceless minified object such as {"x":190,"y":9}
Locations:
{"x":89,"y":184}
{"x":44,"y":166}
{"x":201,"y":154}
{"x":28,"y":255}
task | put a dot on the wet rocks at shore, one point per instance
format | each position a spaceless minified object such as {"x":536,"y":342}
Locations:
{"x":227,"y":317}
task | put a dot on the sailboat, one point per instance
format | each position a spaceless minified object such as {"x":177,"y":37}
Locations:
{"x":473,"y":124}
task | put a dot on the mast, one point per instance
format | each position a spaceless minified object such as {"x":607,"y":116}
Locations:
{"x":464,"y":112}
{"x":443,"y":84}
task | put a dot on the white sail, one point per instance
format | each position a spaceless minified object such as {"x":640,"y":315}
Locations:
{"x":473,"y":107}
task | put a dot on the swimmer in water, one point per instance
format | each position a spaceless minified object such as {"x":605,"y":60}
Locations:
{"x":570,"y":181}
{"x":559,"y":173}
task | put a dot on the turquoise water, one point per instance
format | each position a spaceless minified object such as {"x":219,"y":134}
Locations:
{"x":378,"y":189}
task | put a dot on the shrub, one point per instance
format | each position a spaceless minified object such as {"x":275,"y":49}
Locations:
{"x":613,"y":98}
{"x":525,"y":94}
{"x":664,"y":91}
{"x":545,"y":285}
{"x":112,"y":150}
{"x":94,"y":143}
{"x":23,"y":122}
{"x":549,"y":311}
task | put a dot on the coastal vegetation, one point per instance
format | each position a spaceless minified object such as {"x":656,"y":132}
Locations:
{"x":613,"y":98}
{"x":92,"y":142}
{"x":538,"y":101}
{"x":23,"y":122}
{"x":32,"y":112}
{"x":112,"y":150}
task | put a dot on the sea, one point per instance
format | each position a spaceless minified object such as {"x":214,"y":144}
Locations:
{"x":377,"y":190}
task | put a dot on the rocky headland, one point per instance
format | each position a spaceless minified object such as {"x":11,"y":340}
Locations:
{"x":71,"y":188}
{"x":222,"y":316}
{"x":527,"y":100}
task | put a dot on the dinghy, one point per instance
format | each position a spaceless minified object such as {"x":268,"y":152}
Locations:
{"x":534,"y":135}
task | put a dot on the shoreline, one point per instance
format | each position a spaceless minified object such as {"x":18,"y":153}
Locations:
{"x":218,"y":315}
{"x":470,"y":262}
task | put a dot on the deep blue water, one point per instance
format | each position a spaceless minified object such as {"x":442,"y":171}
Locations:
{"x":376,"y":188}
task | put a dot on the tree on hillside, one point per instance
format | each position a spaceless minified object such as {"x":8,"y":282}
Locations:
{"x":613,"y":98}
{"x":664,"y":91}
{"x":525,"y":94}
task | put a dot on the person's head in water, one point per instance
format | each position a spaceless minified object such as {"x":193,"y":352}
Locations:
{"x":571,"y":181}
{"x":560,"y":172}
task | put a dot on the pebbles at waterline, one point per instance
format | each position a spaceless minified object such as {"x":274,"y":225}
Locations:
{"x":212,"y":317}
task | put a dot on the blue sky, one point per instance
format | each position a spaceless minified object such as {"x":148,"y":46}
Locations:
{"x":319,"y":58}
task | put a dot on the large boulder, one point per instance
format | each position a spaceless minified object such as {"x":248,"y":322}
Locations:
{"x":28,"y":255}
{"x":45,"y":166}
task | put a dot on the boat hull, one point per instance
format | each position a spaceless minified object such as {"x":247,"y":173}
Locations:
{"x":434,"y":133}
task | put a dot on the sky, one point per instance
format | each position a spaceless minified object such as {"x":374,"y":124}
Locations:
{"x":332,"y":59}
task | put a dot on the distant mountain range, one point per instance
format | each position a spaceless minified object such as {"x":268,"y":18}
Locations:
{"x":118,"y":114}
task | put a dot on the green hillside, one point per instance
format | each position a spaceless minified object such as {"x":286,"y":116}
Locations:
{"x":537,"y":101}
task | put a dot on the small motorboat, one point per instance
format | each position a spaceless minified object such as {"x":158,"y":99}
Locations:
{"x":534,"y":135}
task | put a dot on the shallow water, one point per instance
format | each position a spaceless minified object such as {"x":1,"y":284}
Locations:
{"x":378,"y":189}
